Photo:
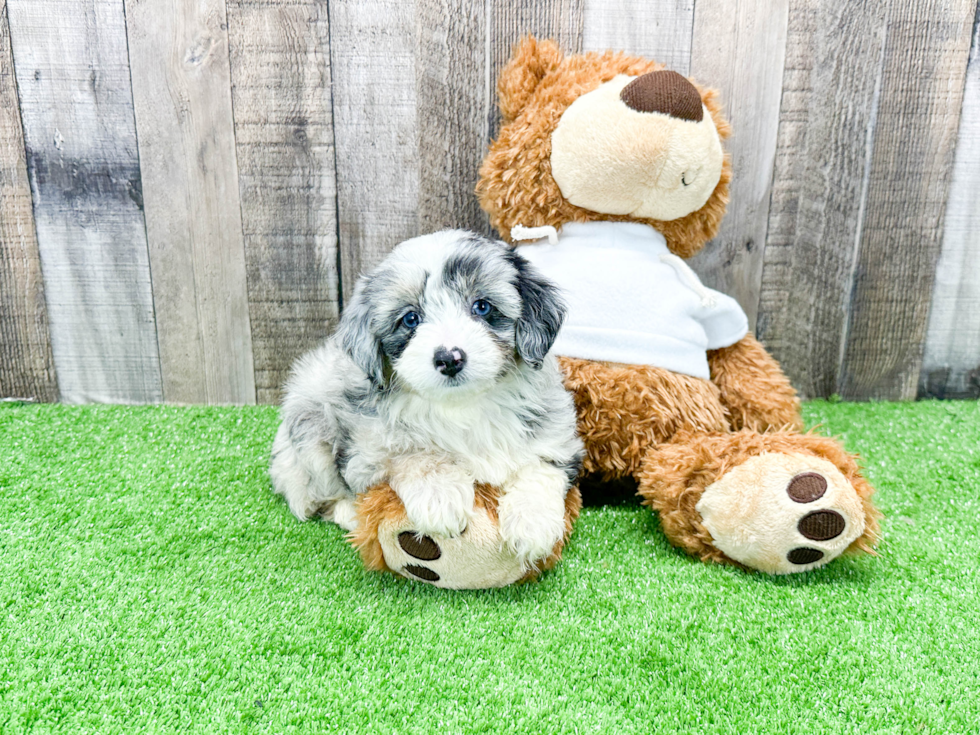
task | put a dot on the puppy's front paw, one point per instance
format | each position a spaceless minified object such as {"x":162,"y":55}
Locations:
{"x":438,"y":501}
{"x":531,"y":523}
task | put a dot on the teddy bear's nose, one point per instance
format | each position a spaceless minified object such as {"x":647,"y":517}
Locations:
{"x":663,"y":91}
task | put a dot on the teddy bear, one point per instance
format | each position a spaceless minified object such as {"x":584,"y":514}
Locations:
{"x":611,"y":169}
{"x":607,"y":173}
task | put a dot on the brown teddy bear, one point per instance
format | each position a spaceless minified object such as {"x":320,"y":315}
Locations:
{"x":614,"y":166}
{"x":619,"y":163}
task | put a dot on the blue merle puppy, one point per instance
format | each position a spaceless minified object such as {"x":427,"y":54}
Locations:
{"x":437,"y":378}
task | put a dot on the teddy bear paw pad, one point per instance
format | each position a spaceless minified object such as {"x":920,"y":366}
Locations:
{"x":822,"y":525}
{"x":807,"y":487}
{"x":421,"y":547}
{"x":421,"y":572}
{"x":782,"y":513}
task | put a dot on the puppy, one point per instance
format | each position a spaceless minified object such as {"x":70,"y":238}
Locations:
{"x":437,"y":378}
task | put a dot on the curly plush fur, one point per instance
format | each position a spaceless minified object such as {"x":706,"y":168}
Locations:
{"x":753,"y":388}
{"x":623,"y":410}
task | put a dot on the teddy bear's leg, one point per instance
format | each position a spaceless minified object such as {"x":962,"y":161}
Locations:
{"x":476,"y":558}
{"x":625,"y":410}
{"x":779,"y":502}
{"x":753,"y":388}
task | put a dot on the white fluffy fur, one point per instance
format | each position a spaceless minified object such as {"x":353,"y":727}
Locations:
{"x":505,"y":420}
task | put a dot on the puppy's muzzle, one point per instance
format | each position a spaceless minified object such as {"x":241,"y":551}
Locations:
{"x":449,"y":362}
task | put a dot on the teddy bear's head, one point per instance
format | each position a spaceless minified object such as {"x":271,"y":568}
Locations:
{"x":605,"y":137}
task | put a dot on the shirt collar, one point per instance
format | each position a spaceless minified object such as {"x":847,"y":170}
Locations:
{"x":619,"y":235}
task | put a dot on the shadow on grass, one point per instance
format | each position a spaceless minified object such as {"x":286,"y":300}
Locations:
{"x":596,"y":493}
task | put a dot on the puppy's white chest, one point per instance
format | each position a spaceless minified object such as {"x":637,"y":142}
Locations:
{"x":493,"y":467}
{"x":489,"y":446}
{"x":490,"y":450}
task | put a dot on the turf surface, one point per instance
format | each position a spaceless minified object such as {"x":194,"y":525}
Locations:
{"x":150,"y":581}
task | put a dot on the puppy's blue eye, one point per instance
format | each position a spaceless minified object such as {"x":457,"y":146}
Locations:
{"x":482,"y":307}
{"x":411,"y":320}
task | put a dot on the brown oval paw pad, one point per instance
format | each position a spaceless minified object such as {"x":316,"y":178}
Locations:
{"x":803,"y":555}
{"x":422,"y":572}
{"x":807,"y":487}
{"x":421,"y":547}
{"x":822,"y":525}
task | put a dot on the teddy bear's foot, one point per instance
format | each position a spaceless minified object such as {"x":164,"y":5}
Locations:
{"x":477,"y":558}
{"x":782,"y":513}
{"x":779,"y":503}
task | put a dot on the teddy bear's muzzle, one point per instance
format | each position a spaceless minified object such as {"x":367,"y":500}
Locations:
{"x":641,"y":146}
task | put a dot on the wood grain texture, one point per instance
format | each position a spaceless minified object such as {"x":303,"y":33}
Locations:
{"x":77,"y":111}
{"x":922,"y":82}
{"x":26,"y":362}
{"x":829,"y":100}
{"x":509,"y":22}
{"x":951,"y":365}
{"x":372,"y":57}
{"x":453,"y":102}
{"x":738,"y":48}
{"x":181,"y":86}
{"x":657,"y":30}
{"x":280,"y":69}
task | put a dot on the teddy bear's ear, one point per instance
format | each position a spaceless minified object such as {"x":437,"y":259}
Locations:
{"x":529,"y":63}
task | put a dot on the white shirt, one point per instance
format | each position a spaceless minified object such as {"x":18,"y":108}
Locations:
{"x":631,"y":301}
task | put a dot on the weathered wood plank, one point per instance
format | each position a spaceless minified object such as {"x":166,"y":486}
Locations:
{"x":656,"y":30}
{"x":26,"y":362}
{"x":280,"y":69}
{"x":926,"y":53}
{"x":453,"y":101}
{"x":372,"y":55}
{"x":951,"y":365}
{"x":77,"y":111}
{"x":182,"y":91}
{"x":833,"y":62}
{"x":739,"y":48}
{"x":413,"y":108}
{"x":560,"y":20}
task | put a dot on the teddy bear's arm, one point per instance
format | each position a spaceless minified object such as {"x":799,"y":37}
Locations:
{"x":753,"y":388}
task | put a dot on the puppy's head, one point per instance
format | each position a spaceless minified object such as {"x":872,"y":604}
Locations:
{"x":450,"y":313}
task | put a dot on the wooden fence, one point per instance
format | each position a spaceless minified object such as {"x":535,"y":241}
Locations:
{"x":189,"y":188}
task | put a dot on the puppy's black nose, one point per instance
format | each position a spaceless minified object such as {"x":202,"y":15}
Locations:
{"x":449,"y":362}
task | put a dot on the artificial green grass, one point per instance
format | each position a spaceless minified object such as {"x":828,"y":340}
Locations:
{"x":150,"y":581}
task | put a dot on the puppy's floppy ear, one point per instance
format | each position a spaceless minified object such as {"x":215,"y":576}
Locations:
{"x":529,"y":62}
{"x":542,"y":312}
{"x":359,"y":341}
